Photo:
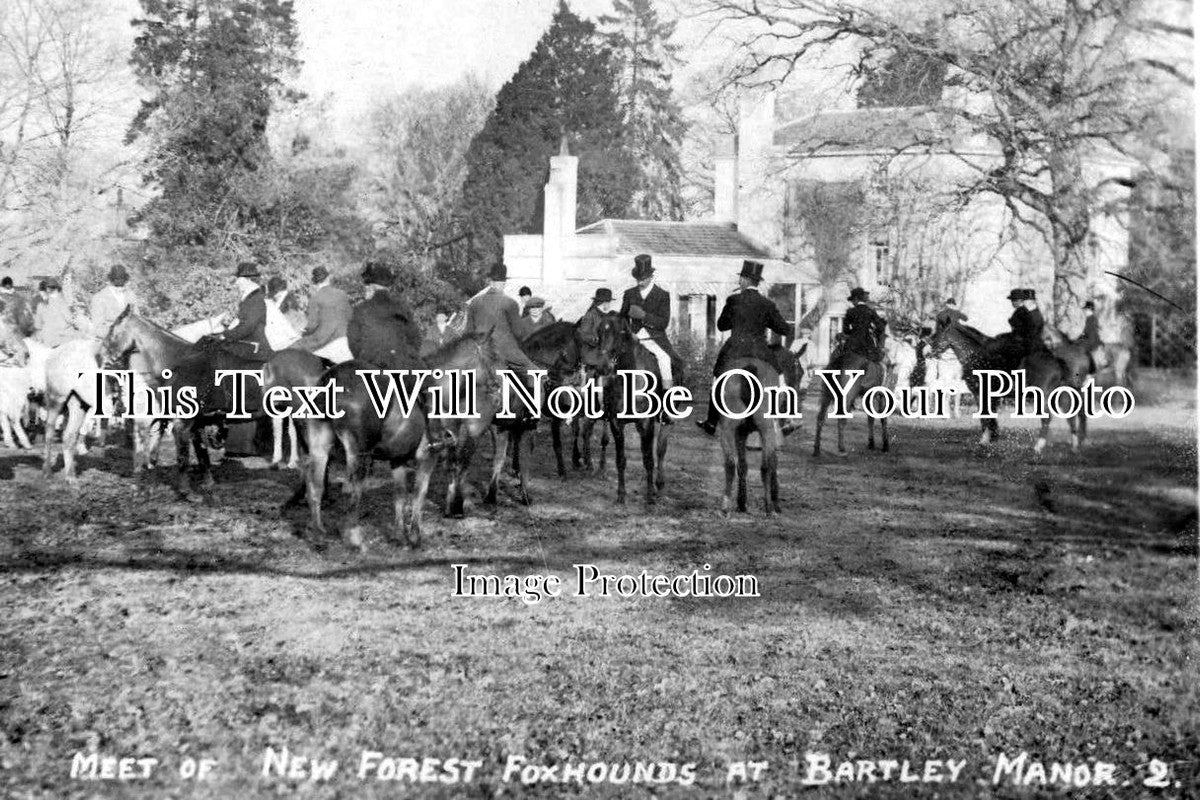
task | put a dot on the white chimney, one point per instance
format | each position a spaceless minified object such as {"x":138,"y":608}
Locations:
{"x":725,"y":182}
{"x":558,"y":218}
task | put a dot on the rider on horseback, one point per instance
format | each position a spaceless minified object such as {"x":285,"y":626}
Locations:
{"x":381,"y":330}
{"x":863,"y":328}
{"x":1090,"y":340}
{"x":648,"y":309}
{"x":589,"y":328}
{"x":1027,"y":326}
{"x":748,"y":315}
{"x":247,"y":339}
{"x":494,"y":311}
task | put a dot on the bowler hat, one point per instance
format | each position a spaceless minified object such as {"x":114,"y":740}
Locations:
{"x":525,"y":291}
{"x":752,"y":270}
{"x":6,"y":282}
{"x":642,"y":267}
{"x":1016,"y":294}
{"x":247,"y":269}
{"x":52,"y":285}
{"x":498,"y":272}
{"x":859,"y":293}
{"x":276,"y":284}
{"x":319,"y":274}
{"x":117,"y":275}
{"x":950,"y":301}
{"x":377,"y":273}
{"x":603,"y":295}
{"x":1089,"y":305}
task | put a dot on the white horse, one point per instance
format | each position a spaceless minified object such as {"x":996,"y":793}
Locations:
{"x":945,"y":372}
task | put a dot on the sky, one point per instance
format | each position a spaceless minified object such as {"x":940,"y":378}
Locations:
{"x":357,"y":50}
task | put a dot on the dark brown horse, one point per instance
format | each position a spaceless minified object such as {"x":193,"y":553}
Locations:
{"x":624,"y":353}
{"x":399,"y":438}
{"x":557,"y":348}
{"x":737,"y":394}
{"x":976,"y":350}
{"x":873,"y":375}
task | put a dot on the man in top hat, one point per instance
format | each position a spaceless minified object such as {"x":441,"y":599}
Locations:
{"x":16,"y":309}
{"x":949,"y":315}
{"x":493,"y":310}
{"x":248,"y":338}
{"x":326,"y":320}
{"x":589,"y":327}
{"x":110,"y":302}
{"x":382,"y":330}
{"x":748,"y":316}
{"x":1090,"y":340}
{"x":862,"y":327}
{"x":536,"y":317}
{"x":648,"y":309}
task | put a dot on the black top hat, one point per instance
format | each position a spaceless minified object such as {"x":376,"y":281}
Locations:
{"x":1089,"y":305}
{"x":642,"y":267}
{"x":603,"y":295}
{"x":117,"y":276}
{"x":950,"y":301}
{"x":377,"y":273}
{"x":752,"y":270}
{"x":1016,"y":294}
{"x":52,"y":285}
{"x":498,"y":272}
{"x":319,"y":274}
{"x":858,"y":293}
{"x":247,"y":269}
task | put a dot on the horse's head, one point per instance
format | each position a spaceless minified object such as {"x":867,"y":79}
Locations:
{"x":615,"y":335}
{"x":555,"y":346}
{"x":120,"y":339}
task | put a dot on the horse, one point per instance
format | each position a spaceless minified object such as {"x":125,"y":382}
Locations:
{"x":65,"y":378}
{"x":623,"y":352}
{"x":736,"y":394}
{"x":873,"y":375}
{"x":1044,"y":370}
{"x":557,"y":348}
{"x":290,"y":368}
{"x":161,"y":352}
{"x":15,"y":384}
{"x":400,"y":438}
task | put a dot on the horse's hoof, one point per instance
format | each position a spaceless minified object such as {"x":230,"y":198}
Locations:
{"x":273,"y":466}
{"x":293,"y":465}
{"x":353,"y":536}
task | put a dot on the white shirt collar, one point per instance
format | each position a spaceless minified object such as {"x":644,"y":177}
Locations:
{"x":646,"y":292}
{"x":248,"y":290}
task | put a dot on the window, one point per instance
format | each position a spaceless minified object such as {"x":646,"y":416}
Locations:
{"x":880,"y":253}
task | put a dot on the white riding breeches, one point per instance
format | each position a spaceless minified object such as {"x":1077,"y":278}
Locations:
{"x":337,"y":351}
{"x":660,"y":355}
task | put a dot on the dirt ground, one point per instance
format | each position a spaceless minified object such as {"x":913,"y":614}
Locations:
{"x":941,"y":601}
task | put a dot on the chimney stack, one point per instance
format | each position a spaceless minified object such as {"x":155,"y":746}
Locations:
{"x":559,"y":209}
{"x":725,"y":182}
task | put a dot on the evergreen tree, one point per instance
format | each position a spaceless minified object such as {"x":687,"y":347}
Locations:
{"x":567,"y":89}
{"x":641,"y":45}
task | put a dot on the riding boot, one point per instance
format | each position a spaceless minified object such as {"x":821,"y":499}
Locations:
{"x":709,"y":424}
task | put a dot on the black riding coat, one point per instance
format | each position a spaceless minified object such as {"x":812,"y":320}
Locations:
{"x":863,"y":329}
{"x":382,"y":332}
{"x":748,"y":316}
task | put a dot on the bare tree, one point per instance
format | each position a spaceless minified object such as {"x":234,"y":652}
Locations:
{"x":1054,"y":88}
{"x":418,"y":141}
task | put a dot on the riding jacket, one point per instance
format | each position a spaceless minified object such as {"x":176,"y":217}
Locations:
{"x":748,"y":316}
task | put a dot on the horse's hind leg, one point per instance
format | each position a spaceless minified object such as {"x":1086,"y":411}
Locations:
{"x":883,"y":432}
{"x":662,"y":437}
{"x":460,"y":462}
{"x":276,"y":443}
{"x":870,"y":433}
{"x":618,"y":433}
{"x":73,"y":435}
{"x":426,"y":461}
{"x":294,"y":444}
{"x":53,"y":407}
{"x":184,"y":432}
{"x":522,"y":483}
{"x":1043,"y":436}
{"x":320,"y":445}
{"x":770,"y":475}
{"x":648,"y":435}
{"x":742,"y":467}
{"x":822,"y":412}
{"x":728,"y":451}
{"x":19,"y":430}
{"x":841,"y":433}
{"x":556,"y":443}
{"x":498,"y":457}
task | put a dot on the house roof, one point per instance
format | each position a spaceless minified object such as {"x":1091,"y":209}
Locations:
{"x":676,"y":238}
{"x":911,"y":128}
